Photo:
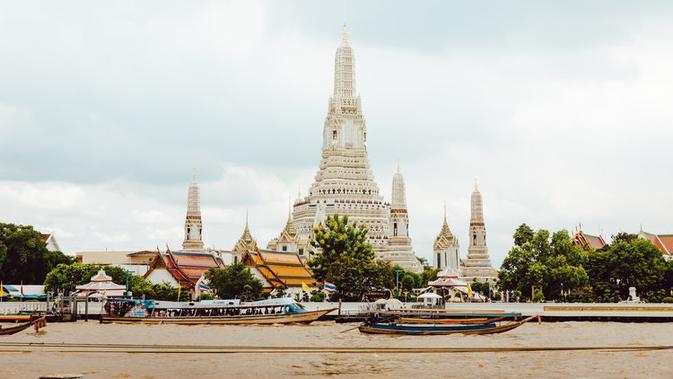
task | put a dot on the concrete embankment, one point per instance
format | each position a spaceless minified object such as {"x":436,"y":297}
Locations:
{"x":351,"y":311}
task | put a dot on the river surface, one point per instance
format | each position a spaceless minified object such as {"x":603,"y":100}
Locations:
{"x":373,"y":364}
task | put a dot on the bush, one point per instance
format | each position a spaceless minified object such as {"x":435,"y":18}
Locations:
{"x":206,"y":296}
{"x":667,"y":300}
{"x":317,"y":297}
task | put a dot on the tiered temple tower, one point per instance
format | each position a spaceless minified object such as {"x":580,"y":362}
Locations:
{"x":445,"y":249}
{"x":477,"y":266}
{"x":344,"y":183}
{"x":193,"y":224}
{"x":245,"y":243}
{"x":399,"y":248}
{"x":288,"y":241}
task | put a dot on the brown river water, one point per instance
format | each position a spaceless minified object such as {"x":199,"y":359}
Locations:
{"x":370,"y":364}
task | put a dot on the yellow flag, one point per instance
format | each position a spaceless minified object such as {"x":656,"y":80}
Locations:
{"x":2,"y":290}
{"x":179,"y":288}
{"x":469,"y":291}
{"x":305,"y":288}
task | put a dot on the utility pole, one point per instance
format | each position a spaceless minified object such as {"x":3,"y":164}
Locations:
{"x":397,"y":281}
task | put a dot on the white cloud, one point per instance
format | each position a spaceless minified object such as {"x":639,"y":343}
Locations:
{"x":105,"y":110}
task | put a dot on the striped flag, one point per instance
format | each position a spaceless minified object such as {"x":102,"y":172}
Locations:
{"x":329,"y":286}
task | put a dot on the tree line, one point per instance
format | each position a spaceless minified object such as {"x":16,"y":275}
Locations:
{"x":550,"y":266}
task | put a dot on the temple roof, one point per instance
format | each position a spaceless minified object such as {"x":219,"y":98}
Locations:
{"x":246,"y":242}
{"x":185,"y":267}
{"x":589,"y":241}
{"x":289,"y":233}
{"x":281,"y":270}
{"x":445,"y":238}
{"x":663,"y":242}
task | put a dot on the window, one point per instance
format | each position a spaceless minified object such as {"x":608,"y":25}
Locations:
{"x":284,"y":248}
{"x":395,"y":229}
{"x":301,"y":251}
{"x":439,"y":260}
{"x":334,"y":134}
{"x":235,"y":259}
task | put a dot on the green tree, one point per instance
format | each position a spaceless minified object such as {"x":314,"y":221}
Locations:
{"x":408,"y":282}
{"x":65,"y":277}
{"x":235,"y":281}
{"x":24,"y":256}
{"x":628,"y":261}
{"x":523,"y":234}
{"x":550,"y":262}
{"x":345,"y":258}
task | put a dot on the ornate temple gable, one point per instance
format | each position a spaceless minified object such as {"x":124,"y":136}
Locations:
{"x":193,"y":223}
{"x":246,"y":242}
{"x":588,"y":241}
{"x":445,"y":238}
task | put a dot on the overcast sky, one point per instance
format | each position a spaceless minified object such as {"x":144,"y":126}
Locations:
{"x":561,"y":110}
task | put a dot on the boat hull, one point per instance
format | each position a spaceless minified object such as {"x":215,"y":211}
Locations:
{"x":441,"y":330}
{"x":40,"y":323}
{"x":294,"y":318}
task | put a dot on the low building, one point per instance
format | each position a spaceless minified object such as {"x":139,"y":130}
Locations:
{"x":136,"y":262}
{"x":663,"y":242}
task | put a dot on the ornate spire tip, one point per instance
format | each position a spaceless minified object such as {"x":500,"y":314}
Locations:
{"x":344,"y":34}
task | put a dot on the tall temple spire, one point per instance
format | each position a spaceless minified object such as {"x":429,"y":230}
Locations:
{"x":477,"y":212}
{"x":399,"y":196}
{"x":478,"y":263}
{"x":193,"y":223}
{"x":344,"y":183}
{"x":344,"y":69}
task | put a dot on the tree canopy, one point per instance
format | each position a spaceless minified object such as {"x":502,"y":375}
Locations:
{"x":563,"y":270}
{"x":552,"y":263}
{"x":345,"y":258}
{"x":235,"y":282}
{"x":24,"y":256}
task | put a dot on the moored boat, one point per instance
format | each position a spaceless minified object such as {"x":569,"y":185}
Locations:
{"x":38,"y":323}
{"x":218,"y":312}
{"x":434,"y":329}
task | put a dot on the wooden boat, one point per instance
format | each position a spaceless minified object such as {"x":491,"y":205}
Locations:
{"x":395,"y":328}
{"x":15,"y":317}
{"x":462,"y":321}
{"x":215,"y":312}
{"x":38,"y":323}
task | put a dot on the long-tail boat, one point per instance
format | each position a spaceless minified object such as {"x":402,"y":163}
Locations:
{"x":434,"y":329}
{"x":38,"y":323}
{"x":219,"y":312}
